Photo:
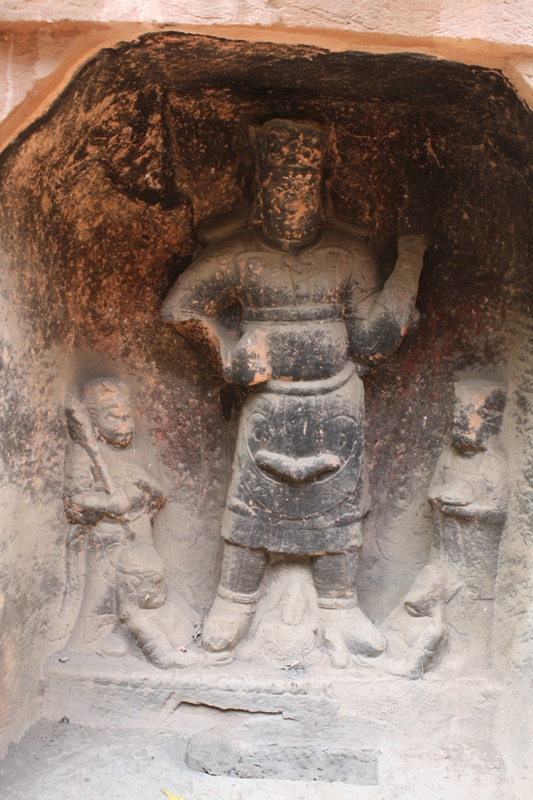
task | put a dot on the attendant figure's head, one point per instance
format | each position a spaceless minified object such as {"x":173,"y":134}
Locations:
{"x":289,"y":178}
{"x":477,"y":414}
{"x":140,"y":579}
{"x":108,"y":401}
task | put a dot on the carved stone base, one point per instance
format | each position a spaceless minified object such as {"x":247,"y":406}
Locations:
{"x":354,"y":709}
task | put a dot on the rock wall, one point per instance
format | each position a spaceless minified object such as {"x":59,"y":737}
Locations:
{"x":101,"y":202}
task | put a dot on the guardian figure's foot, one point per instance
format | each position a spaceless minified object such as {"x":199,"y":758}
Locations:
{"x":347,"y":630}
{"x":226,"y":624}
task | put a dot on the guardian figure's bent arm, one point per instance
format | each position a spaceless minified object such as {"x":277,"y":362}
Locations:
{"x":199,"y":296}
{"x":378,"y":321}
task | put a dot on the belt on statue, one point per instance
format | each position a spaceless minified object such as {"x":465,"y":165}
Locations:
{"x":318,"y":312}
{"x":303,"y":388}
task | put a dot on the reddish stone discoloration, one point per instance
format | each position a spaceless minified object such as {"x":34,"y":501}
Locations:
{"x":257,"y":360}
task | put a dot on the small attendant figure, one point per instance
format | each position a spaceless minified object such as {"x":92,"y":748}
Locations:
{"x":112,"y":497}
{"x":469,"y":495}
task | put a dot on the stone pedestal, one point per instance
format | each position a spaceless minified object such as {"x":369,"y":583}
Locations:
{"x":247,"y":723}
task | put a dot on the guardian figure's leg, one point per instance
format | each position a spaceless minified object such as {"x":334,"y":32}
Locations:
{"x":238,"y":591}
{"x":346,"y":628}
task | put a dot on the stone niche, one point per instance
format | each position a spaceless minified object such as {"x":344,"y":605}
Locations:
{"x":106,"y":200}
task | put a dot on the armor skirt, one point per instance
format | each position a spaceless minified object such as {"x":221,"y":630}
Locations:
{"x":298,"y":483}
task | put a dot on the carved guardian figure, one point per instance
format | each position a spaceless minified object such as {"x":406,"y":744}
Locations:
{"x":314,"y":307}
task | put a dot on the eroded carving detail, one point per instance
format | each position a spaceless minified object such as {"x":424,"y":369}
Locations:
{"x":416,"y":630}
{"x":287,"y":632}
{"x":160,"y":629}
{"x":315,"y":309}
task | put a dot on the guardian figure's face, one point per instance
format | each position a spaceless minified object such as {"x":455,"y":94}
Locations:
{"x":289,"y":182}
